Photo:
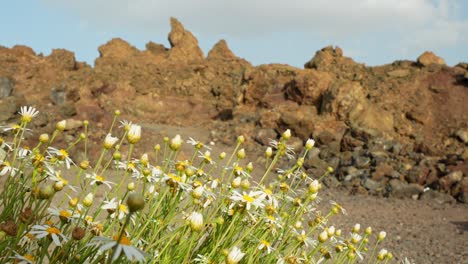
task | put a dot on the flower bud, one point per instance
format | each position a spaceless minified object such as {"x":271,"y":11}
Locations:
{"x":131,"y":186}
{"x":314,"y":186}
{"x":268,"y":152}
{"x":58,"y":186}
{"x":310,"y":144}
{"x":356,"y":228}
{"x":240,"y":139}
{"x":117,"y":155}
{"x":197,"y":193}
{"x":300,"y":162}
{"x":382,"y":235}
{"x":196,"y":221}
{"x":241,"y":153}
{"x":78,"y":233}
{"x":287,"y":134}
{"x":44,"y":138}
{"x":84,"y":165}
{"x":157,"y":147}
{"x":249,"y":168}
{"x":117,"y":112}
{"x":73,"y":202}
{"x":46,"y":192}
{"x":109,"y":141}
{"x":61,"y":125}
{"x":88,"y":200}
{"x":245,"y":184}
{"x":222,"y":155}
{"x":236,"y":182}
{"x":176,"y":143}
{"x":323,"y":237}
{"x":368,"y":231}
{"x":382,"y":254}
{"x":135,"y":202}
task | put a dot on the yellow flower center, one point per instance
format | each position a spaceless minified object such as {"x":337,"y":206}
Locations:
{"x":268,"y":191}
{"x":100,"y":178}
{"x":123,"y":208}
{"x":248,"y":198}
{"x":175,"y":177}
{"x":29,"y":257}
{"x":65,"y":213}
{"x":123,"y":240}
{"x":63,"y":153}
{"x":53,"y":230}
{"x":266,"y":243}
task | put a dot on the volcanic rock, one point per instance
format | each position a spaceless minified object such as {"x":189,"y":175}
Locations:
{"x":429,"y":58}
{"x":6,"y":87}
{"x":184,"y":46}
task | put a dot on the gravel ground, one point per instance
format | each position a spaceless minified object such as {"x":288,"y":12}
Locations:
{"x":422,"y":231}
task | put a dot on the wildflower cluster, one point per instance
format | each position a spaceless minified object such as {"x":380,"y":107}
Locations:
{"x":157,"y":208}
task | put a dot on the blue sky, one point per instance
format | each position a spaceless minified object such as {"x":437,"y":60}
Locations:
{"x":373,"y":32}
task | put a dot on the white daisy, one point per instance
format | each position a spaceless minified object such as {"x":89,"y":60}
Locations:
{"x":28,"y":113}
{"x":41,"y":231}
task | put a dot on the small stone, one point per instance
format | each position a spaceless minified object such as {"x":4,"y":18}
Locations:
{"x":449,"y":180}
{"x":73,"y":124}
{"x":438,"y":197}
{"x":462,"y":135}
{"x":362,"y":162}
{"x":265,"y":135}
{"x":8,"y":108}
{"x":401,"y":189}
{"x":372,"y":185}
{"x":58,"y":95}
{"x":382,"y":170}
{"x":6,"y":87}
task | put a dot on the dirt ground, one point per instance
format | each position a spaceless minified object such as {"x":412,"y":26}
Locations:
{"x":422,"y":231}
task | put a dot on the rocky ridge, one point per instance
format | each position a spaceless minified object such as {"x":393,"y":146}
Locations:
{"x":399,"y":129}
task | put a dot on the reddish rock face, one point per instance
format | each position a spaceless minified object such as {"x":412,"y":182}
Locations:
{"x":429,"y":58}
{"x":404,"y":102}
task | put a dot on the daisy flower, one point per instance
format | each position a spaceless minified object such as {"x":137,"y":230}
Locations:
{"x":200,"y":259}
{"x":253,"y":198}
{"x":27,"y":113}
{"x":134,"y":134}
{"x":197,"y":144}
{"x":64,"y":215}
{"x":14,"y":128}
{"x":265,"y":245}
{"x":98,"y":180}
{"x":235,"y":256}
{"x":126,"y":124}
{"x":123,"y":246}
{"x":115,"y":209}
{"x":62,"y":155}
{"x":57,"y":177}
{"x":23,"y":259}
{"x":51,"y":232}
{"x":109,"y":141}
{"x":283,"y":148}
{"x":5,"y":168}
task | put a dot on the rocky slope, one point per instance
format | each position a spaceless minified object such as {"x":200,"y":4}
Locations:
{"x":395,"y":129}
